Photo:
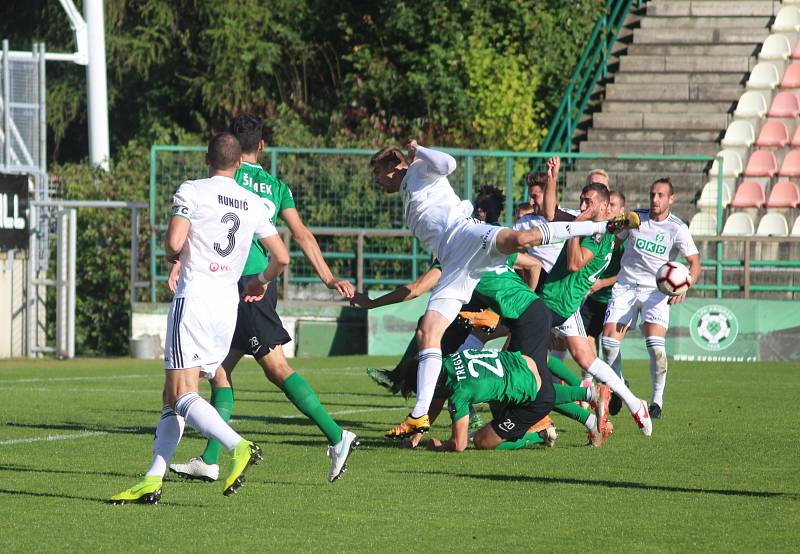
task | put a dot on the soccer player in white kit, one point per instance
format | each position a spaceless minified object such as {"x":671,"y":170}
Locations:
{"x":465,"y":247}
{"x":212,"y":225}
{"x":660,"y":238}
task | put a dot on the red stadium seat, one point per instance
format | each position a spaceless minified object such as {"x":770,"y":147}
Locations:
{"x":795,"y":138}
{"x":785,"y":104}
{"x":749,"y":195}
{"x":774,"y":134}
{"x":791,"y":79}
{"x":784,"y":194}
{"x":791,"y":165}
{"x":762,"y":163}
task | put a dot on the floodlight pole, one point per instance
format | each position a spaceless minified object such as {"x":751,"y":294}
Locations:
{"x":97,"y":95}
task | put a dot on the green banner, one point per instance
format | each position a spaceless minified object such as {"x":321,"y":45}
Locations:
{"x":701,"y":329}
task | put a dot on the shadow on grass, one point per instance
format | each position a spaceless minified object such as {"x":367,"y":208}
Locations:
{"x":28,"y":469}
{"x":92,"y":499}
{"x":71,"y":426}
{"x":613,"y":484}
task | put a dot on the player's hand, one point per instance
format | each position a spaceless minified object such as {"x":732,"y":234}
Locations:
{"x":254,"y":289}
{"x":585,"y":215}
{"x":595,"y":287}
{"x":411,"y":147}
{"x":553,"y":167}
{"x":172,"y":281}
{"x":433,"y":444}
{"x":413,"y":442}
{"x":677,"y":299}
{"x":360,"y":300}
{"x":342,"y":286}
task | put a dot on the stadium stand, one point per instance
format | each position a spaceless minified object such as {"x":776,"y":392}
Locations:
{"x":752,"y":105}
{"x":739,"y":224}
{"x":791,"y":77}
{"x":774,"y":134}
{"x":773,"y":225}
{"x":791,"y":164}
{"x":708,"y":197}
{"x":750,"y":194}
{"x":784,"y":104}
{"x":784,"y":194}
{"x":765,"y":75}
{"x":703,"y":223}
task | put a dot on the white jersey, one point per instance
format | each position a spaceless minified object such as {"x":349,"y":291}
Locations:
{"x":431,"y":206}
{"x":652,"y":245}
{"x":547,"y":254}
{"x":224,"y":218}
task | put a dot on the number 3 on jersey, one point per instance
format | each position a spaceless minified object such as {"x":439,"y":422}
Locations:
{"x":477,"y":359}
{"x":234,"y":220}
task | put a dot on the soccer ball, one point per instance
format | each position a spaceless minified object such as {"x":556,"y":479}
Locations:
{"x":673,"y":279}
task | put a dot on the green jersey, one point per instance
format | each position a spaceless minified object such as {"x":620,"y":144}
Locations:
{"x":564,"y":291}
{"x":276,"y":196}
{"x":475,"y":376}
{"x":504,"y":291}
{"x":604,"y":295}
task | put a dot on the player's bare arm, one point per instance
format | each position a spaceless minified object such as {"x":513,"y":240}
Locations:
{"x":423,"y":284}
{"x":694,"y":272}
{"x":458,"y":440}
{"x":308,"y":244}
{"x":177,"y":231}
{"x":529,"y":269}
{"x":256,"y":285}
{"x":577,"y":255}
{"x":174,"y":273}
{"x":550,"y":198}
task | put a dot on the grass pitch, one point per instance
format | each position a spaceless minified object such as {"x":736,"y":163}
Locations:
{"x":718,"y":474}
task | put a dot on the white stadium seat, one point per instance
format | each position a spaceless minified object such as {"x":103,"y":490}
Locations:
{"x":764,"y":76}
{"x":708,"y":197}
{"x":787,"y":20}
{"x":776,"y":47}
{"x":731,"y":164}
{"x":773,"y":225}
{"x":752,"y":105}
{"x":740,"y":133}
{"x":703,"y":223}
{"x":739,"y":224}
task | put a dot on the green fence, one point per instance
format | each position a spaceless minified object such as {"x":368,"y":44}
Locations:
{"x":336,"y":196}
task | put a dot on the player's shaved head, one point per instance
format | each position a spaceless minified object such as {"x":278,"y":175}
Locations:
{"x":664,"y":181}
{"x":248,"y":129}
{"x":224,"y":152}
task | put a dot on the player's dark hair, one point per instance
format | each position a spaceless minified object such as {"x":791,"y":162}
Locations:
{"x":224,"y":151}
{"x":599,"y":188}
{"x":389,"y":153}
{"x":491,"y":200}
{"x":248,"y":129}
{"x":666,"y":181}
{"x":535,"y":179}
{"x":617,"y":193}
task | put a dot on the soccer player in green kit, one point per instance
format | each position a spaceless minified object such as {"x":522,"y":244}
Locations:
{"x":580,"y":263}
{"x":510,"y":382}
{"x":259,"y":331}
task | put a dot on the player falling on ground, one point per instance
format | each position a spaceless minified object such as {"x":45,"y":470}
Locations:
{"x":259,"y":331}
{"x":465,"y":248}
{"x":213,"y":222}
{"x":510,"y":382}
{"x":661,"y":238}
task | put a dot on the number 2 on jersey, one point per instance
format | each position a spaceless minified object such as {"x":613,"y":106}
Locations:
{"x":476,"y":359}
{"x":228,"y":218}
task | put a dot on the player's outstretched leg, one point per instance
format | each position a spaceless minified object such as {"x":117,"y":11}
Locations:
{"x":339,"y":454}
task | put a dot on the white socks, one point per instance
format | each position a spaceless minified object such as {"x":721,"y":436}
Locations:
{"x":559,"y":231}
{"x":591,"y":423}
{"x":658,"y":367}
{"x":168,"y":435}
{"x":206,"y":420}
{"x":472,"y":343}
{"x":603,"y":372}
{"x":611,"y":353}
{"x":430,"y":365}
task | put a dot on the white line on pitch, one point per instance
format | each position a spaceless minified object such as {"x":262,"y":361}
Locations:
{"x":88,"y":378}
{"x":81,"y":435}
{"x":347,"y":412}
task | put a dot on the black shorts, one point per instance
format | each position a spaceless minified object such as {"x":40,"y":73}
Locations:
{"x":258,"y":327}
{"x":593,"y":314}
{"x":530,"y":332}
{"x":514,"y":420}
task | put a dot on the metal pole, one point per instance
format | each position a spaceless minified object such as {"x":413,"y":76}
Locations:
{"x":509,"y":219}
{"x":96,"y":84}
{"x":71,"y":279}
{"x":42,"y":114}
{"x":31,"y":313}
{"x":720,"y":174}
{"x":287,"y":237}
{"x":62,"y":260}
{"x":6,"y":106}
{"x":360,"y":263}
{"x":746,"y":276}
{"x":468,"y":169}
{"x":273,"y":163}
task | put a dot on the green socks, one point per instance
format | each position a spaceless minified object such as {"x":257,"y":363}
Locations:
{"x":566,"y":394}
{"x":561,"y":371}
{"x":303,"y":397}
{"x":573,"y":411}
{"x":222,"y":400}
{"x":528,"y":440}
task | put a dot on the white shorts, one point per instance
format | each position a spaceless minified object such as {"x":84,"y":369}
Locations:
{"x":628,"y":302}
{"x":572,"y":326}
{"x":468,"y":250}
{"x":199,"y":333}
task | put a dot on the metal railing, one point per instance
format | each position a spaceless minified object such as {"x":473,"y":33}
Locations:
{"x":591,"y":67}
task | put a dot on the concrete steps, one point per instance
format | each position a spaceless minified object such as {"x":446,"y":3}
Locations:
{"x":625,"y":106}
{"x":651,"y":136}
{"x":674,"y":92}
{"x":672,"y":148}
{"x":711,"y":77}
